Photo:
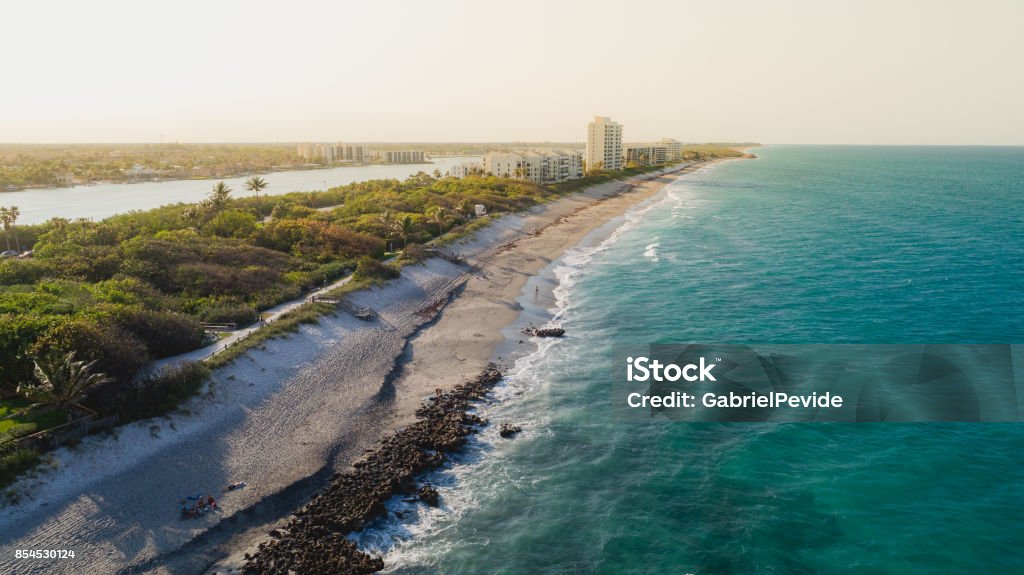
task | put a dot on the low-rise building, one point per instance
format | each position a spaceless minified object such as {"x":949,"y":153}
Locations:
{"x":660,"y":152}
{"x":400,"y":156}
{"x":547,"y":167}
{"x":644,"y":154}
{"x":334,"y":153}
{"x":466,"y":169}
{"x":673,"y":149}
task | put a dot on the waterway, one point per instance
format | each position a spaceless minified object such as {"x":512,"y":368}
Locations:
{"x":102,"y":200}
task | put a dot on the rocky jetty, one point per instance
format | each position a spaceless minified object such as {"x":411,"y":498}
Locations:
{"x":314,"y":541}
{"x":509,"y":429}
{"x":544,"y":331}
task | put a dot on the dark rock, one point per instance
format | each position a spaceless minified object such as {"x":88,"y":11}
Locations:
{"x":508,"y":429}
{"x":544,"y":332}
{"x":429,"y":495}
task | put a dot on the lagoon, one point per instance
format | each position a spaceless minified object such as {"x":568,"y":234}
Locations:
{"x":103,"y":200}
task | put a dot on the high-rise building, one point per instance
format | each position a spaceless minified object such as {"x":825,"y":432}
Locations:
{"x":604,"y":144}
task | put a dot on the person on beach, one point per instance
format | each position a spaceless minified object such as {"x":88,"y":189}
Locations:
{"x":536,"y":292}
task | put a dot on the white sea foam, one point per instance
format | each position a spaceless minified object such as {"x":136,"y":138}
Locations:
{"x":651,"y":251}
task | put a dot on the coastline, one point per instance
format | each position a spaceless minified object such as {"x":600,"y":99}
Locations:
{"x":476,"y":327}
{"x":479,"y":326}
{"x":293,"y":412}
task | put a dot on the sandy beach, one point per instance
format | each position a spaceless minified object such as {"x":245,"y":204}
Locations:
{"x":288,"y":415}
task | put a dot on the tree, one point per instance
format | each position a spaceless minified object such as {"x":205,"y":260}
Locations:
{"x":192,"y":214}
{"x":9,"y":217}
{"x":256,"y":184}
{"x":61,"y":380}
{"x":466,"y":208}
{"x":219,"y":198}
{"x":405,"y":228}
{"x":438,"y":215}
{"x":5,"y":219}
{"x":386,"y":225}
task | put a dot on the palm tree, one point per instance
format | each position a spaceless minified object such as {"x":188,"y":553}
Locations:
{"x":5,"y":219}
{"x":438,"y":214}
{"x":14,"y":220}
{"x":466,"y":208}
{"x":219,"y":197}
{"x":405,"y":227}
{"x":256,"y":184}
{"x":8,"y":216}
{"x":61,"y":380}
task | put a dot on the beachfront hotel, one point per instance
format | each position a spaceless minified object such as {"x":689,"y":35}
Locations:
{"x":665,"y":150}
{"x":604,"y":144}
{"x":547,"y":167}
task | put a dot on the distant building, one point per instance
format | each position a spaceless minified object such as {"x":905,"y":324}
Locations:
{"x":351,"y":153}
{"x":644,"y":154}
{"x":548,"y":167}
{"x":139,"y":172}
{"x":664,"y":150}
{"x":65,"y":179}
{"x":334,"y":153}
{"x":604,"y":144}
{"x":673,"y":149}
{"x":400,"y":157}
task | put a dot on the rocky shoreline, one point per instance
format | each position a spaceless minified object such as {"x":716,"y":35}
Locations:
{"x":315,"y":540}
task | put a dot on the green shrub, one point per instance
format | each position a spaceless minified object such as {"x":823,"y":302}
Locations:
{"x":370,"y":269}
{"x":14,"y":461}
{"x":157,"y":393}
{"x":118,"y":352}
{"x":27,"y":271}
{"x":229,"y":312}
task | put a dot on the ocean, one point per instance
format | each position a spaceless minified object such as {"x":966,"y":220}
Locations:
{"x":806,"y":245}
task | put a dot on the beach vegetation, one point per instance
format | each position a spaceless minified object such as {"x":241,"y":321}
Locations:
{"x":61,"y":380}
{"x":139,"y":286}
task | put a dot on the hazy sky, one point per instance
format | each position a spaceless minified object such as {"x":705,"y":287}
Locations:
{"x":816,"y":71}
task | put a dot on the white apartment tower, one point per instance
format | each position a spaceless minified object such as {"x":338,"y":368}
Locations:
{"x":604,"y":144}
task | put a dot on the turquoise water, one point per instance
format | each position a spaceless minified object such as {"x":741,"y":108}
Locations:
{"x":806,"y":245}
